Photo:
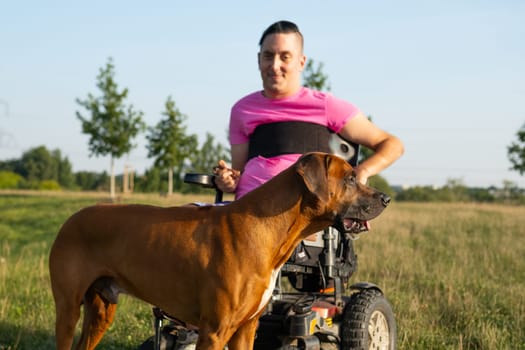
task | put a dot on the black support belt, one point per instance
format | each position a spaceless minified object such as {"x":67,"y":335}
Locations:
{"x":274,"y":139}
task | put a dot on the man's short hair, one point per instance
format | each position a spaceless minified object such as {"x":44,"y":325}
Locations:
{"x":281,"y":27}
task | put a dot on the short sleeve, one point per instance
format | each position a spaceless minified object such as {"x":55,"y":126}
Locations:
{"x":339,"y":112}
{"x":237,"y":131}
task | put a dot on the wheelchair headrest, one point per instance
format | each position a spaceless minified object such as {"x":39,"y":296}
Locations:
{"x":344,"y":149}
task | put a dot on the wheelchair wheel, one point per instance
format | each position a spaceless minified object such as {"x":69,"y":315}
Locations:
{"x":166,"y":343}
{"x":172,"y":338}
{"x":368,"y":322}
{"x":147,"y":345}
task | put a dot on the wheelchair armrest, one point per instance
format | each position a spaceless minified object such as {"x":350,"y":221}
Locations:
{"x":204,"y":180}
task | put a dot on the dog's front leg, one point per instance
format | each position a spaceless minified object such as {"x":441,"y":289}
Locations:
{"x":211,"y":340}
{"x":244,"y":337}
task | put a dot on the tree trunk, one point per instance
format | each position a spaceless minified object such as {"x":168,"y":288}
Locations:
{"x":112,"y":180}
{"x":170,"y":181}
{"x":125,"y":178}
{"x":131,"y":180}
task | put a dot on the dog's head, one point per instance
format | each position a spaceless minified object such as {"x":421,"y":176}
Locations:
{"x":338,"y":195}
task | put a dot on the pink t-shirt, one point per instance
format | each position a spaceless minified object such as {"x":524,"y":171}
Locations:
{"x":306,"y":106}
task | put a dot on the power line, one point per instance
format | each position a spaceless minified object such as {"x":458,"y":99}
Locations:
{"x":7,"y":139}
{"x":6,"y":107}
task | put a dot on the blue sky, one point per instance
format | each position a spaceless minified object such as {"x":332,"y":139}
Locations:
{"x":447,"y":77}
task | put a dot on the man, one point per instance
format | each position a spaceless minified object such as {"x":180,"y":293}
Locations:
{"x":285,"y":117}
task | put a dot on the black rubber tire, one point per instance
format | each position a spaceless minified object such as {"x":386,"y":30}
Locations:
{"x":368,"y":322}
{"x":167,"y":342}
{"x":147,"y":345}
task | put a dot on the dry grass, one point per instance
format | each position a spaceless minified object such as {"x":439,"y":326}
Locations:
{"x":455,"y":273}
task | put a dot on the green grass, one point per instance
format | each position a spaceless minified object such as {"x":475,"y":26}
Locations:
{"x":28,"y":225}
{"x":454,"y":273}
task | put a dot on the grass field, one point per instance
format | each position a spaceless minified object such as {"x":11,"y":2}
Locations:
{"x":454,"y":273}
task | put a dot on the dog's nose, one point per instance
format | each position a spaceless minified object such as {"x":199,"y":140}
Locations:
{"x":385,"y":199}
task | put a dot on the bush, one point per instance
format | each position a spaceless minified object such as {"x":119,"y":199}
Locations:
{"x":9,"y":180}
{"x":378,"y":182}
{"x":49,"y":185}
{"x":92,"y":181}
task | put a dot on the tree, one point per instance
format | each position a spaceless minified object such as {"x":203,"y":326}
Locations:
{"x":516,"y":152}
{"x":111,"y":125}
{"x":511,"y":191}
{"x":314,"y":77}
{"x":169,"y":144}
{"x":454,"y":190}
{"x":150,"y":181}
{"x":92,"y":181}
{"x":205,"y":159}
{"x":380,"y":183}
{"x":37,"y":165}
{"x":65,"y":176}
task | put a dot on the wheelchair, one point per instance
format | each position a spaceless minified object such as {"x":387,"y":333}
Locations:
{"x":313,"y":306}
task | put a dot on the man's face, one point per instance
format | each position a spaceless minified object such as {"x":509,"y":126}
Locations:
{"x":281,"y":62}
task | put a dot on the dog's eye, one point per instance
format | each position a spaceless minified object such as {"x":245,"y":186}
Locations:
{"x":350,"y":181}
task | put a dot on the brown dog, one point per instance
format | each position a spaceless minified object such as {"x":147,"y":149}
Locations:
{"x":213,"y":266}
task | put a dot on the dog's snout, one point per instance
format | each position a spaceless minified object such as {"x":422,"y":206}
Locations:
{"x":385,"y":199}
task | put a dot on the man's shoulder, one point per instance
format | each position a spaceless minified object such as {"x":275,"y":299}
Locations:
{"x":250,"y":98}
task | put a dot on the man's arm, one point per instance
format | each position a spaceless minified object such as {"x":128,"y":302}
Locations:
{"x":239,"y":156}
{"x":387,"y":148}
{"x":226,"y":178}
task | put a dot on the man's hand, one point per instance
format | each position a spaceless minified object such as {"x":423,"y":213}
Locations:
{"x":226,"y":178}
{"x":362,"y":174}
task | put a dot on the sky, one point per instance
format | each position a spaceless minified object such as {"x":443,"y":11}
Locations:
{"x":445,"y":76}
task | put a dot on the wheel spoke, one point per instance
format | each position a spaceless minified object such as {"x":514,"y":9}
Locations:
{"x":378,"y":331}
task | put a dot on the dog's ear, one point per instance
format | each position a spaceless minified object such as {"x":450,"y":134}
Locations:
{"x":313,"y":168}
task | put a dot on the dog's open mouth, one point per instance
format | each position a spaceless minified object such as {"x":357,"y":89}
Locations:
{"x":355,"y":225}
{"x":351,"y":225}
